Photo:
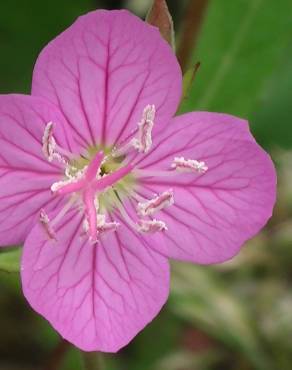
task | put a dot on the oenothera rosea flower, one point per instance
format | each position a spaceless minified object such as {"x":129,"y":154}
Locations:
{"x":103,"y":184}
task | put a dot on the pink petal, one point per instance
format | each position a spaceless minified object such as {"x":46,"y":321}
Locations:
{"x":98,"y":296}
{"x":25,"y":174}
{"x":103,"y":71}
{"x":215,"y":212}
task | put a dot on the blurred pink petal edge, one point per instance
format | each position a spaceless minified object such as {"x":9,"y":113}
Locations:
{"x":103,"y":185}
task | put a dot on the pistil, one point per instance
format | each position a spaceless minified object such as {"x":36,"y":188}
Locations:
{"x":93,"y":185}
{"x":89,"y":183}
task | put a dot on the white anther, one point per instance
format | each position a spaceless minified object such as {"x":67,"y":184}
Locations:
{"x":102,"y":225}
{"x":188,"y":165}
{"x":100,"y":220}
{"x":49,"y":143}
{"x":50,"y":146}
{"x":45,"y":222}
{"x":149,"y":114}
{"x":151,"y":226}
{"x":108,"y":227}
{"x":85,"y":225}
{"x":161,"y":201}
{"x":143,"y":142}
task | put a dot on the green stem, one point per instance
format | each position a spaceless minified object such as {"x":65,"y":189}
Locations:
{"x":93,"y":361}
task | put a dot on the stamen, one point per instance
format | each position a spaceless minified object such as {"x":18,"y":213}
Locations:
{"x":108,"y":227}
{"x":50,"y":148}
{"x":143,"y":142}
{"x":188,"y":165}
{"x":156,"y":204}
{"x":102,"y":226}
{"x":49,"y":143}
{"x":91,"y":213}
{"x":143,"y":226}
{"x":151,"y":226}
{"x":45,"y":222}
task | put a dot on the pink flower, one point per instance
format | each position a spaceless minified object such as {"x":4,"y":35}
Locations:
{"x":103,"y":186}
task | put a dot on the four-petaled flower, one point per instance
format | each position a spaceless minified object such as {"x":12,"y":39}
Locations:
{"x":103,"y":186}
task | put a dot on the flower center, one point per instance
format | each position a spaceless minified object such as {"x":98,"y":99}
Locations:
{"x":101,"y":180}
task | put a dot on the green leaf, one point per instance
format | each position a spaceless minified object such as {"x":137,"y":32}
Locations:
{"x":200,"y":298}
{"x":271,"y":122}
{"x":240,"y":45}
{"x":25,"y":30}
{"x":160,"y":17}
{"x":189,"y":360}
{"x":10,"y":260}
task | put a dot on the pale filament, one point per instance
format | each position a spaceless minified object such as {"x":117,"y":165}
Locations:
{"x":64,"y":210}
{"x":143,"y":141}
{"x":179,"y":164}
{"x":48,"y":224}
{"x":143,"y":226}
{"x":126,"y":217}
{"x":153,"y":173}
{"x":45,"y":222}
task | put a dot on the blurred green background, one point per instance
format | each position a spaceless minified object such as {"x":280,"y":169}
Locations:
{"x":232,"y":316}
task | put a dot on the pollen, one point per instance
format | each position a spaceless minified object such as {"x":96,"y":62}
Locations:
{"x":49,"y":143}
{"x":188,"y":165}
{"x":50,"y":147}
{"x":143,"y":142}
{"x":151,"y":226}
{"x":45,"y":222}
{"x":102,"y":226}
{"x":161,"y":201}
